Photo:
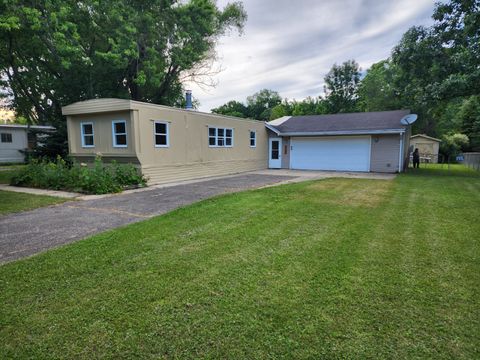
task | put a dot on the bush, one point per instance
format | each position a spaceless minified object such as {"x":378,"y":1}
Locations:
{"x":61,"y":175}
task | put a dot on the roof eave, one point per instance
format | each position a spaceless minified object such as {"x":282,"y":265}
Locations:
{"x":347,"y":132}
{"x":270,"y":127}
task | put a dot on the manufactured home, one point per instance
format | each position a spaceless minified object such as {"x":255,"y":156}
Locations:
{"x":16,"y":139}
{"x":167,"y":144}
{"x":170,"y":144}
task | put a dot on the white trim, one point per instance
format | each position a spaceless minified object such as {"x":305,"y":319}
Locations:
{"x":224,"y":136}
{"x":370,"y":156}
{"x":167,"y":133}
{"x":270,"y":127}
{"x":254,"y":138}
{"x":114,"y":138}
{"x":83,"y":134}
{"x":280,"y":153}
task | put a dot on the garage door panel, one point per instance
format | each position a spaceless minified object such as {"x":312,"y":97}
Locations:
{"x":339,"y":153}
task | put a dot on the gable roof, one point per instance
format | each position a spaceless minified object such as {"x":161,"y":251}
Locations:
{"x":348,"y":123}
{"x":425,"y":137}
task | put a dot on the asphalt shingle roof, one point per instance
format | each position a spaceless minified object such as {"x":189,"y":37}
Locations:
{"x":364,"y":121}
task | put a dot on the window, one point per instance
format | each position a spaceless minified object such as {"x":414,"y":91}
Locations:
{"x":6,"y":137}
{"x":275,"y":150}
{"x":119,"y":128}
{"x":253,"y":139}
{"x":87,"y":134}
{"x":220,"y":137}
{"x":160,"y":132}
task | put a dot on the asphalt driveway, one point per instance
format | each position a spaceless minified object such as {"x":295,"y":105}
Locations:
{"x":27,"y":233}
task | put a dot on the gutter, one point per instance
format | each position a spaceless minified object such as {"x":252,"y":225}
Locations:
{"x":348,"y":132}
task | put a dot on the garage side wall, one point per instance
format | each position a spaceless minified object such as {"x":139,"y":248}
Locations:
{"x":385,"y":152}
{"x":188,"y":155}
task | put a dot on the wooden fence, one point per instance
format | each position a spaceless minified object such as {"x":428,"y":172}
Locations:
{"x":472,"y":160}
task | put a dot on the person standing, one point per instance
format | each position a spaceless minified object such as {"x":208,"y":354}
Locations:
{"x":416,"y":159}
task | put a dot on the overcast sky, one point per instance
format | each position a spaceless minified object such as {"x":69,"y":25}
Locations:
{"x":289,"y":45}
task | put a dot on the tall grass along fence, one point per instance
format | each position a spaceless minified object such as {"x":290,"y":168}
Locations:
{"x":472,"y":160}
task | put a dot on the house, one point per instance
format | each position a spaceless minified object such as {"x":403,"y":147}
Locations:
{"x":15,"y":139}
{"x":427,"y":146}
{"x":368,"y":141}
{"x":172,"y":144}
{"x":167,"y":144}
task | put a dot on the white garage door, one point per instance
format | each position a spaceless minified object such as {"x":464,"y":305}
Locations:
{"x":331,"y":153}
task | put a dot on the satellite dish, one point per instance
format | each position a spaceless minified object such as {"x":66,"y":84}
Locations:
{"x":409,"y":119}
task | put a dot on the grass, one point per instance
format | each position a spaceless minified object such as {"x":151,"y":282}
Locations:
{"x":6,"y":175}
{"x":11,"y":202}
{"x":337,"y":268}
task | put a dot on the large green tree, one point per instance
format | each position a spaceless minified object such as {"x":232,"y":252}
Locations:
{"x":341,"y":85}
{"x":55,"y":52}
{"x":377,"y":90}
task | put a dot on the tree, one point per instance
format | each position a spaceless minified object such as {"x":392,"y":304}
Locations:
{"x":261,"y":103}
{"x":232,"y":108}
{"x":377,"y":91}
{"x":452,"y":144}
{"x":341,"y":84}
{"x":57,"y":52}
{"x":469,"y":115}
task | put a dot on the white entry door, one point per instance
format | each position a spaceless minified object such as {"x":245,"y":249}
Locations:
{"x":275,"y":153}
{"x":347,"y":153}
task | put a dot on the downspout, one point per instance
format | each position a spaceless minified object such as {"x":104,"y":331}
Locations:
{"x":400,"y":155}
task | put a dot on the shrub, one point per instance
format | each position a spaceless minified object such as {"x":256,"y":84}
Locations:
{"x":61,"y":175}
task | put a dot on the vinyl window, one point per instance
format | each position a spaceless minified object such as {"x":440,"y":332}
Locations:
{"x":220,"y":137}
{"x":119,"y":132}
{"x":87,"y":134}
{"x":161,"y":134}
{"x":253,"y":139}
{"x":6,"y":137}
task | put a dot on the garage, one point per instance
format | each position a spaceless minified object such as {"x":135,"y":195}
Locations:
{"x":351,"y":153}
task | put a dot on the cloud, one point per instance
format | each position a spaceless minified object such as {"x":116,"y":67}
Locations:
{"x":289,"y":46}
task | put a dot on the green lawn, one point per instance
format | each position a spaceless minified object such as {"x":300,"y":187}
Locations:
{"x":338,"y":268}
{"x":14,"y":202}
{"x":5,"y":176}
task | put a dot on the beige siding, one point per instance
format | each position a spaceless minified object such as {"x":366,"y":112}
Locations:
{"x":103,"y":136}
{"x":426,"y":147}
{"x":9,"y":152}
{"x":384,"y":155}
{"x":285,"y":152}
{"x":189,"y":155}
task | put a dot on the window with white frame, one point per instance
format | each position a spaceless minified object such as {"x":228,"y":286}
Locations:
{"x":87,"y":134}
{"x":253,"y":138}
{"x":220,"y":137}
{"x":119,"y":132}
{"x":160,"y":131}
{"x":6,"y":137}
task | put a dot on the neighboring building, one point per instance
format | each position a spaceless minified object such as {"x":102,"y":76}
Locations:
{"x":171,"y":144}
{"x":14,"y":140}
{"x":368,"y":141}
{"x":427,"y":146}
{"x":167,"y":144}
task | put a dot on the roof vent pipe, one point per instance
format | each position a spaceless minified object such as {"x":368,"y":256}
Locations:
{"x":188,"y":100}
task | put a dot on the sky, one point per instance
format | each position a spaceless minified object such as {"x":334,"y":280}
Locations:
{"x":289,"y":45}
